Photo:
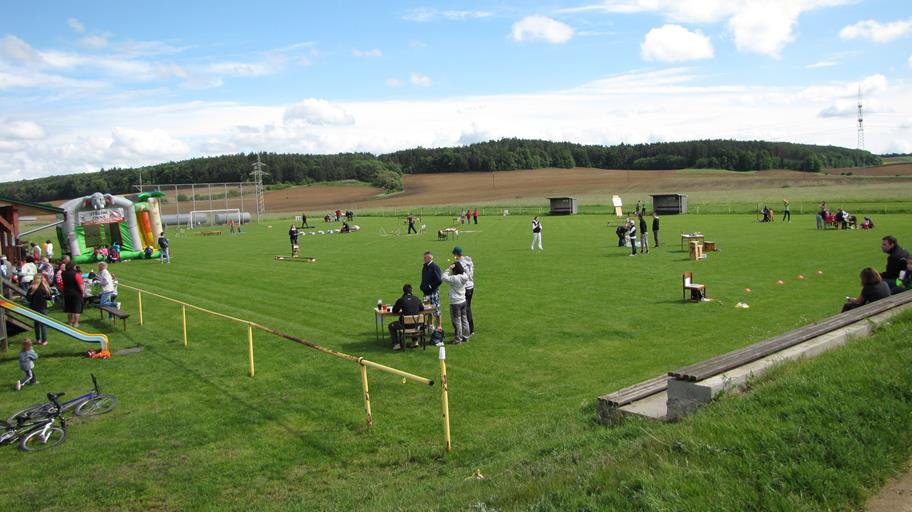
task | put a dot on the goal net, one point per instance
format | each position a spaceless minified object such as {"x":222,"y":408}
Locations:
{"x":214,"y":217}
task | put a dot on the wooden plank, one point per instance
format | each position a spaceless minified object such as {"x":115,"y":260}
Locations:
{"x":745,"y":355}
{"x":637,"y":391}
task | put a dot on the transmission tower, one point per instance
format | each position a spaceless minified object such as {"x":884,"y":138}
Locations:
{"x":861,"y":143}
{"x":257,"y":176}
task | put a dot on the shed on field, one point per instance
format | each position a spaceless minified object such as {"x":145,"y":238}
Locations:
{"x":669,"y":203}
{"x":563,"y":205}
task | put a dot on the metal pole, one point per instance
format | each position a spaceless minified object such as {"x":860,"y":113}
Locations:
{"x":241,"y":186}
{"x":250,"y":346}
{"x":367,"y":400}
{"x":4,"y":339}
{"x":210,"y":196}
{"x":444,"y":399}
{"x":226,"y":196}
{"x":139,"y":304}
{"x":178,"y":206}
{"x":184,"y":319}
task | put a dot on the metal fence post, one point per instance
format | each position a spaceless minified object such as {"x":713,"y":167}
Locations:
{"x":139,"y":305}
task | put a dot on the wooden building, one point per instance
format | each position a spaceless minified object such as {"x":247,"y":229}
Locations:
{"x":563,"y":205}
{"x":11,"y":211}
{"x":665,"y":204}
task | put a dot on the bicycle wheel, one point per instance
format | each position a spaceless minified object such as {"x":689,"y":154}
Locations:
{"x":94,"y":406}
{"x":32,"y":413}
{"x":42,"y":439}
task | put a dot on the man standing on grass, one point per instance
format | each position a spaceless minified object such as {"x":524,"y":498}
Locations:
{"x":163,"y":249}
{"x":655,"y":227}
{"x":786,"y":211}
{"x":536,"y":234}
{"x":475,"y":216}
{"x":430,"y":284}
{"x":411,"y":225}
{"x":644,"y":236}
{"x":469,"y":266}
{"x":896,"y":257}
{"x":632,"y":236}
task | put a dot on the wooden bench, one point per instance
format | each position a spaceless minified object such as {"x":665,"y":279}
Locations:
{"x":721,"y":364}
{"x":737,"y":358}
{"x":116,"y":313}
{"x":636,"y":392}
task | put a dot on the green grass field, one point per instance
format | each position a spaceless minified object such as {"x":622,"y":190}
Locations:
{"x":555,"y":329}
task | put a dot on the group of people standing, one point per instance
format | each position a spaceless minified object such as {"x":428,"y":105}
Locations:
{"x":468,"y":215}
{"x":460,"y":280}
{"x":628,"y":233}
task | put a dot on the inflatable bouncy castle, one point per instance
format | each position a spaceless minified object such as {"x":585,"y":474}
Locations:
{"x":103,"y":220}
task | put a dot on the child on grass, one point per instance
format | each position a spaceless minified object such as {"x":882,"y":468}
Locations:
{"x":27,"y":358}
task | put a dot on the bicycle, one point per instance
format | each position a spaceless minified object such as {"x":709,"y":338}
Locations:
{"x":39,"y":434}
{"x":93,"y":403}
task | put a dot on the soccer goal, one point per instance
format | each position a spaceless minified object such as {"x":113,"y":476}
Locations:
{"x":214,"y":217}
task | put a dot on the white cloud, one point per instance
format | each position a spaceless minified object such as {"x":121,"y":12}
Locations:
{"x":631,"y":107}
{"x":825,"y":63}
{"x":425,"y":14}
{"x":128,"y":143}
{"x":96,"y":41}
{"x":318,"y":112}
{"x":20,"y":130}
{"x":255,"y":68}
{"x":76,"y":25}
{"x":393,"y":82}
{"x":765,"y":29}
{"x":541,"y":28}
{"x":419,"y":80}
{"x":758,"y":26}
{"x":367,"y":53}
{"x":877,"y":31}
{"x":674,"y":43}
{"x":13,"y":49}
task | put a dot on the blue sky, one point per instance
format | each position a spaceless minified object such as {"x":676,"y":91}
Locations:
{"x":130,"y":83}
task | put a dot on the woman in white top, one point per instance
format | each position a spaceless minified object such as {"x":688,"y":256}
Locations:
{"x":456,"y":278}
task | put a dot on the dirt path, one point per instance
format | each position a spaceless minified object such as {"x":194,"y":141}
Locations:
{"x":896,"y":496}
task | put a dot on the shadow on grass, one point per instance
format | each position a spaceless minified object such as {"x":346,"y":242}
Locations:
{"x":253,"y":407}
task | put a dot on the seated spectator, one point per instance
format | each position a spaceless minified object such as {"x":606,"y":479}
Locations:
{"x":904,"y":281}
{"x":896,"y":258}
{"x":867,"y":224}
{"x":408,"y":304}
{"x":345,"y":227}
{"x":873,"y":288}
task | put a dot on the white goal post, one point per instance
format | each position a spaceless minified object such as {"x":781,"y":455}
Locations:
{"x":214,"y":217}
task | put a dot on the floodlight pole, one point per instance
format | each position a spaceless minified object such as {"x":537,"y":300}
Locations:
{"x":257,"y":175}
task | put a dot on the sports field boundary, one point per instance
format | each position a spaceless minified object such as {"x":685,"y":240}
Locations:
{"x":363,"y":363}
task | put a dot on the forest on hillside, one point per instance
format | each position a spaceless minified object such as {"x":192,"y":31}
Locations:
{"x":385,"y":171}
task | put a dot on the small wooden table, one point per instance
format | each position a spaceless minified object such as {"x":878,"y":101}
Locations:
{"x":709,"y":246}
{"x":691,"y":237}
{"x":379,"y":317}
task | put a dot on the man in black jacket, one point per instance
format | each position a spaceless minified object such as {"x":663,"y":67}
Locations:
{"x":896,"y":257}
{"x":408,"y":304}
{"x":430,"y":284}
{"x":655,"y":227}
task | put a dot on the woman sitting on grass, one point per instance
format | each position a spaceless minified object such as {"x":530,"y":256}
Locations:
{"x":873,"y":288}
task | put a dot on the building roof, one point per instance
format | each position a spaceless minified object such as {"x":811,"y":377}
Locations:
{"x":29,"y":208}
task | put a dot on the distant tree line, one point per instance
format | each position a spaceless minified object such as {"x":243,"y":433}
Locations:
{"x":385,"y":171}
{"x":511,"y":154}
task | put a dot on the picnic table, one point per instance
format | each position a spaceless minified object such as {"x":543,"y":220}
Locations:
{"x":686,"y":238}
{"x":380,"y":315}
